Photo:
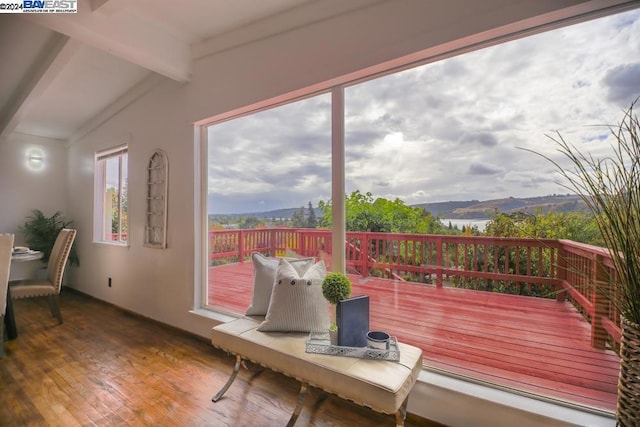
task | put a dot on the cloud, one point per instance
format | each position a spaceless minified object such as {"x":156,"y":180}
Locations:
{"x":623,"y":83}
{"x":485,"y":139}
{"x":449,"y":130}
{"x":482,"y":169}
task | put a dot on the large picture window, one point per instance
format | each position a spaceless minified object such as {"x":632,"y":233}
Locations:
{"x":111,"y":216}
{"x":440,"y":134}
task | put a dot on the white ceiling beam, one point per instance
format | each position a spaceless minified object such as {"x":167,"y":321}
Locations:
{"x":102,"y":5}
{"x":54,"y":57}
{"x":124,"y":36}
{"x":107,"y":7}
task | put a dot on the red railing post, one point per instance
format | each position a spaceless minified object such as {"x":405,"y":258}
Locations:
{"x":241,"y":245}
{"x":303,"y":242}
{"x":599,"y":281}
{"x":272,"y":242}
{"x":364,"y":254}
{"x":439,"y":279}
{"x":561,"y":274}
{"x":298,"y":239}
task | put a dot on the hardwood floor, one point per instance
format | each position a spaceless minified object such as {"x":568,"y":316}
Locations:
{"x":105,"y":366}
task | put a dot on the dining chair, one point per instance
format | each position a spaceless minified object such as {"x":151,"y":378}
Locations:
{"x":6,"y":246}
{"x":50,"y":286}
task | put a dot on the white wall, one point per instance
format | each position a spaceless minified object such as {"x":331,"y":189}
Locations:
{"x":23,"y":189}
{"x":153,"y":282}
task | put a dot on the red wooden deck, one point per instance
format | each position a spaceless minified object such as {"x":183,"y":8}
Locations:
{"x":534,"y":345}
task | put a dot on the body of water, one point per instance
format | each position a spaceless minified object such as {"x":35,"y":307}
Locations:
{"x":480,"y":223}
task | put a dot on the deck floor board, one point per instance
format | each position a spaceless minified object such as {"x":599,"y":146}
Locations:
{"x":533,"y":345}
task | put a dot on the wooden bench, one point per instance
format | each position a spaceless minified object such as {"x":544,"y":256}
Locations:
{"x":381,"y":385}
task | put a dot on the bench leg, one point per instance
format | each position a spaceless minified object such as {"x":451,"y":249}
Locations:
{"x":401,"y":413}
{"x":298,"y":408}
{"x":225,"y":387}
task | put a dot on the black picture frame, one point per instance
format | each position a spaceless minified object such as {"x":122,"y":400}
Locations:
{"x":352,"y":318}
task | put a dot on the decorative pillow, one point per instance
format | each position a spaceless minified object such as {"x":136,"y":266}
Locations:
{"x":264,"y":269}
{"x":297,"y":304}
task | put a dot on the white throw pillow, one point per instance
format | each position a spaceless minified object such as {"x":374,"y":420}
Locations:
{"x":264,"y":269}
{"x":297,"y":303}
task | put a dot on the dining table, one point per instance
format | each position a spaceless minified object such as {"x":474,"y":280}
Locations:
{"x":9,"y":316}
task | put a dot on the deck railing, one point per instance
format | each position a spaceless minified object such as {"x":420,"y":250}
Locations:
{"x":588,"y":276}
{"x":532,"y":267}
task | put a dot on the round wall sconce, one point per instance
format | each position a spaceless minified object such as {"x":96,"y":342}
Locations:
{"x":35,"y":159}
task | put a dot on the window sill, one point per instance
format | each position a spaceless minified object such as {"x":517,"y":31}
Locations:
{"x":111,"y":244}
{"x":459,"y":402}
{"x":216,"y":316}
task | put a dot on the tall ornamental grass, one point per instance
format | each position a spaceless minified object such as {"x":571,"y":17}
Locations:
{"x":610,"y":187}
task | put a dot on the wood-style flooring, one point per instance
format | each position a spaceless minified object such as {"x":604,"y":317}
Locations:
{"x":107,"y":367}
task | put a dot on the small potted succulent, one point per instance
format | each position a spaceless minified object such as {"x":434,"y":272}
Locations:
{"x":335,"y":287}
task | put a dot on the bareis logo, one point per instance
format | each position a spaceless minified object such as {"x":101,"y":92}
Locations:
{"x":39,"y":6}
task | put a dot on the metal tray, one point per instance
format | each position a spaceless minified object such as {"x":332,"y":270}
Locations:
{"x":319,"y":342}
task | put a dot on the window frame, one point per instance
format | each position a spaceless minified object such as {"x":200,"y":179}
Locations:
{"x":100,"y":182}
{"x":337,"y":86}
{"x":201,"y":172}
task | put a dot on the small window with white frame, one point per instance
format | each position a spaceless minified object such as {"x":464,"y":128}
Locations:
{"x":110,"y":201}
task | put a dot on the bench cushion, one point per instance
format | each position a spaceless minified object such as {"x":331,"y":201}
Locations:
{"x":379,"y":384}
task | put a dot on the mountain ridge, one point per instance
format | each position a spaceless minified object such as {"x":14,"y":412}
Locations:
{"x":475,"y":209}
{"x":470,"y":209}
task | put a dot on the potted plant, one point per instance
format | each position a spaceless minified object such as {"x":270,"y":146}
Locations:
{"x":335,"y":287}
{"x":40,"y":233}
{"x":610,"y":187}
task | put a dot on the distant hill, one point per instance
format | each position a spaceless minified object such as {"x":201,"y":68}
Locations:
{"x":475,"y":209}
{"x":471,"y":209}
{"x":277,"y":213}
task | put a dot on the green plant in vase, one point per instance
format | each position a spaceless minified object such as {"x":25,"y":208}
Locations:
{"x":335,"y":287}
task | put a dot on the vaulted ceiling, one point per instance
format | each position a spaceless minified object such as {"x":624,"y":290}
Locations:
{"x":61,"y":74}
{"x":60,"y":71}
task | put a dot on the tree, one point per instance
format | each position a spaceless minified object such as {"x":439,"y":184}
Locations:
{"x":297,"y":219}
{"x":363,"y":213}
{"x":576,"y":226}
{"x":115,"y":213}
{"x":249,"y":222}
{"x":312,"y":221}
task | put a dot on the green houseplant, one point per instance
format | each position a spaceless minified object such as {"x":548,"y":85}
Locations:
{"x":610,"y":187}
{"x":335,"y":287}
{"x":40,"y":233}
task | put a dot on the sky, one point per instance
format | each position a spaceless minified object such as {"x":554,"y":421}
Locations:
{"x":447,"y":131}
